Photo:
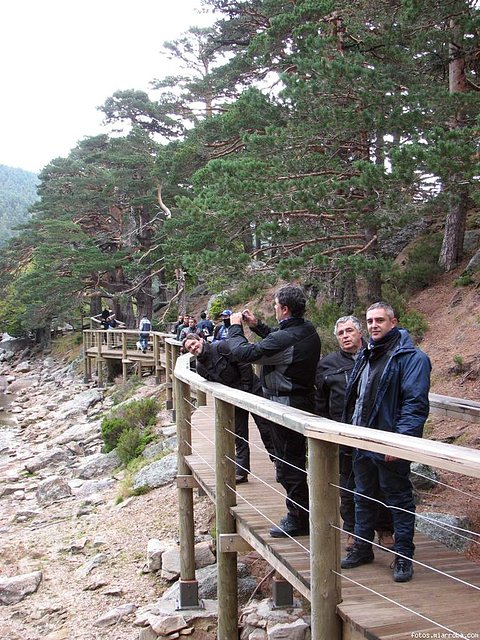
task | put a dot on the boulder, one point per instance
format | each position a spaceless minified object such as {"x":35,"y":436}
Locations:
{"x":99,"y":464}
{"x":114,"y":616}
{"x":13,"y":590}
{"x":46,"y":458}
{"x":156,"y":474}
{"x":52,"y":489}
{"x":445,"y":529}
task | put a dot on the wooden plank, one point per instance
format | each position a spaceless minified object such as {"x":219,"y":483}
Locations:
{"x":369,"y":615}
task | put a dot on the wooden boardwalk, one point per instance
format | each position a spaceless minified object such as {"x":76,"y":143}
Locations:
{"x":449,"y":603}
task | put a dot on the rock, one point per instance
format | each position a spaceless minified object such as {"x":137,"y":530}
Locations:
{"x":474,"y":264}
{"x":52,"y":489}
{"x":99,"y":464}
{"x":166,"y":625}
{"x":46,"y":458}
{"x":13,"y":590}
{"x":207,"y":584}
{"x":23,"y":367}
{"x":155,"y":549}
{"x":422,"y":476}
{"x":85,"y":432}
{"x":114,"y":616}
{"x":441,"y":527}
{"x":89,"y":566}
{"x":90,"y":488}
{"x":156,"y":474}
{"x":153,"y":450}
{"x":291,"y":631}
{"x":147,"y":634}
{"x":204,"y":556}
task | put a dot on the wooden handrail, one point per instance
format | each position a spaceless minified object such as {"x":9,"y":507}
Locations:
{"x":461,"y":460}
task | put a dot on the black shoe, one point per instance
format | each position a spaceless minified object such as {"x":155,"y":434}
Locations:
{"x":402,"y":569}
{"x":290,"y":526}
{"x":356,"y":557}
{"x":241,"y":479}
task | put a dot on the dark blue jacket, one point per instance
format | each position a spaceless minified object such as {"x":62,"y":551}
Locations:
{"x":401,"y":401}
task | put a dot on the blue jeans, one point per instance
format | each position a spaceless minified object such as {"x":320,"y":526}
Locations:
{"x":372,"y":476}
{"x":144,"y":341}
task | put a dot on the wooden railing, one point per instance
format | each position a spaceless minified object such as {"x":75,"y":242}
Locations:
{"x":323,"y":436}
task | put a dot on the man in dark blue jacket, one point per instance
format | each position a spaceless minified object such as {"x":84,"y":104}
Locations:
{"x":388,"y":390}
{"x":289,"y":356}
{"x":333,"y":372}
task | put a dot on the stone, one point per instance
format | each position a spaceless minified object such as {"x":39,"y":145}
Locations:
{"x":423,"y":476}
{"x":166,"y":625}
{"x":91,"y":488}
{"x":98,"y":465}
{"x":46,"y":458}
{"x":147,"y":634}
{"x":23,"y":367}
{"x":52,"y":489}
{"x":84,"y":432}
{"x":114,"y":616}
{"x":156,"y":474}
{"x":15,"y":589}
{"x":155,"y":549}
{"x":441,"y":527}
{"x":290,"y":631}
{"x":92,"y":564}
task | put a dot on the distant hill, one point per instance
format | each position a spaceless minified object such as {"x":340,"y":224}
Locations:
{"x":18,"y":191}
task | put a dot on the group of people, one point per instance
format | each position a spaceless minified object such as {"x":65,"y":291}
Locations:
{"x":379,"y":383}
{"x":205,"y":328}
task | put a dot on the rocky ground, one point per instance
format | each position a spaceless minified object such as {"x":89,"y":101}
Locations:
{"x":64,"y":519}
{"x":58,"y":513}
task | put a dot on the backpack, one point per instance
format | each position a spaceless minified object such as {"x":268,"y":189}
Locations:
{"x":145,"y":326}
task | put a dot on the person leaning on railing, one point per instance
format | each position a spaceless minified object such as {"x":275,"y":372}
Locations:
{"x":388,"y":390}
{"x":215,"y":363}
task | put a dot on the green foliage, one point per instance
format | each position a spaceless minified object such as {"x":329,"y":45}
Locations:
{"x":217,"y":306}
{"x":18,"y":192}
{"x":421,"y":266}
{"x":415,"y":323}
{"x":251,"y":288}
{"x":112,"y":429}
{"x":138,"y":414}
{"x":132,"y":442}
{"x":464,"y":280}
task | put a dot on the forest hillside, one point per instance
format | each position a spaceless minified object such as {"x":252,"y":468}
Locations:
{"x":18,"y":191}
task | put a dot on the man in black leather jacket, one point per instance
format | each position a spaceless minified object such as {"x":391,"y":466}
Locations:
{"x":215,"y":363}
{"x":289,"y":355}
{"x":333,"y":372}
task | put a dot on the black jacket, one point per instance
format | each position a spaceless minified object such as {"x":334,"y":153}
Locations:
{"x":289,"y":356}
{"x":217,"y":365}
{"x":333,"y":372}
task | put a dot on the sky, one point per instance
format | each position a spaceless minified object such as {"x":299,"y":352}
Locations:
{"x":61,"y":59}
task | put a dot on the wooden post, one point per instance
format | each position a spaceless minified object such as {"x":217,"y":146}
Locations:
{"x":156,"y":358}
{"x":188,"y":583}
{"x":86,"y":369}
{"x":169,"y":374}
{"x":201,"y":398}
{"x":99,"y":360}
{"x":124,"y":357}
{"x":226,"y":498}
{"x":324,"y":539}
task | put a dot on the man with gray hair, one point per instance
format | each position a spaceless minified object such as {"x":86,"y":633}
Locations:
{"x":387,"y":390}
{"x":333,"y":372}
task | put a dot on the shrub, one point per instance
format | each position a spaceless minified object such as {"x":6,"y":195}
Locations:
{"x":415,"y":323}
{"x":132,"y":442}
{"x":421,"y":265}
{"x":112,"y":429}
{"x":464,"y":280}
{"x":139,"y":414}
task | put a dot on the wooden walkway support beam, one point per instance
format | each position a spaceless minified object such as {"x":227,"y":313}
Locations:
{"x":188,"y":584}
{"x":226,"y":498}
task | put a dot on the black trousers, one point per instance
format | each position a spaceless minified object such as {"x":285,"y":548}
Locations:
{"x":383,"y":518}
{"x":242,"y":447}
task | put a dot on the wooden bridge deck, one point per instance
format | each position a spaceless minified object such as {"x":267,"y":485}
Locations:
{"x":133,"y":355}
{"x":437,"y":597}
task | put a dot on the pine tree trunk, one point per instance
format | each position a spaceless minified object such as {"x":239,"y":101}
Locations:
{"x":451,"y":252}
